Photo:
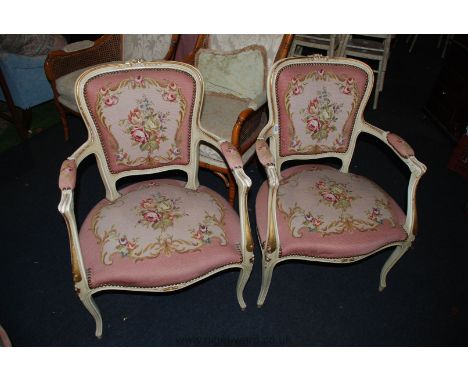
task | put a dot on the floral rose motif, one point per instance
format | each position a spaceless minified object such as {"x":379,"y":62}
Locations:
{"x":320,"y":115}
{"x":298,"y":90}
{"x":135,"y":117}
{"x":159,"y":212}
{"x":330,"y":197}
{"x":169,"y":96}
{"x":125,"y":247}
{"x":152,"y":216}
{"x":313,"y":220}
{"x":345,"y":89}
{"x":313,"y":106}
{"x":110,"y":100}
{"x":203,"y":233}
{"x":334,"y":194}
{"x":139,"y":135}
{"x":313,"y":124}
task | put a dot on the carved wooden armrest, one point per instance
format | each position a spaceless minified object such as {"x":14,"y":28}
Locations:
{"x":406,"y":154}
{"x":59,"y":62}
{"x":400,"y":145}
{"x":67,"y":177}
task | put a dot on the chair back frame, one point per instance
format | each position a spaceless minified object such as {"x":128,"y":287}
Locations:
{"x":94,"y":145}
{"x":272,"y":130}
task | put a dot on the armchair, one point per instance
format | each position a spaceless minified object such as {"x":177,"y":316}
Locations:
{"x":63,"y":67}
{"x":155,"y":235}
{"x":315,"y":212}
{"x":235,"y":68}
{"x":23,"y":83}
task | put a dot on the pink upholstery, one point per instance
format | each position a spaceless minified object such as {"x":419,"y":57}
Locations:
{"x":317,"y":106}
{"x":158,"y":233}
{"x":322,"y":212}
{"x":143,"y":118}
{"x":400,"y":145}
{"x":264,"y":153}
{"x":67,"y":177}
{"x":231,"y":154}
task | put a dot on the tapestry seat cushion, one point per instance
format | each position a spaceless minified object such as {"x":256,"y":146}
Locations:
{"x":159,"y":233}
{"x":324,"y":213}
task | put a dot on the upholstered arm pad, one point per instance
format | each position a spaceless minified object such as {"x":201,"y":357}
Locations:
{"x":231,"y":154}
{"x":264,"y":153}
{"x":67,"y":178}
{"x":400,"y":145}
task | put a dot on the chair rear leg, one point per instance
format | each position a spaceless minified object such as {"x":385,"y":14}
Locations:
{"x":267,"y":273}
{"x":243,"y":278}
{"x":63,"y":119}
{"x":87,"y":299}
{"x":397,"y":253}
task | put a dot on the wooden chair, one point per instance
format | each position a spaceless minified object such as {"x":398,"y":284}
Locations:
{"x":315,"y":212}
{"x":154,"y":235}
{"x":324,"y":42}
{"x":63,"y":67}
{"x":369,"y":47}
{"x":235,"y":68}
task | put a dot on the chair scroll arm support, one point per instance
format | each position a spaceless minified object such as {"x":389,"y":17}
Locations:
{"x":243,"y":182}
{"x":266,"y":159}
{"x":67,"y":183}
{"x":234,"y":161}
{"x":406,"y":154}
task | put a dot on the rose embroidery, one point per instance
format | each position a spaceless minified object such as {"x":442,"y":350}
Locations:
{"x":320,"y":115}
{"x":159,"y":212}
{"x":147,"y":128}
{"x":334,"y":194}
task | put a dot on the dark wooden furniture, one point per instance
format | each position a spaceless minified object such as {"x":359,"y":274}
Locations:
{"x":448,"y":102}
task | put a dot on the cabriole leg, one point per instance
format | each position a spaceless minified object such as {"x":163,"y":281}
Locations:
{"x":397,"y":253}
{"x":266,"y":280}
{"x":87,"y":299}
{"x":243,"y":278}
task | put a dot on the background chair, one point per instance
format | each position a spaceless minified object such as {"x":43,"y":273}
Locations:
{"x":63,"y":67}
{"x":234,"y":68}
{"x":157,"y":235}
{"x":322,"y":42}
{"x":316,"y":212}
{"x":369,"y":47}
{"x":23,"y":83}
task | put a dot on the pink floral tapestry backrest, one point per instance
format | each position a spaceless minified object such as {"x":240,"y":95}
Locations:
{"x":143,"y":117}
{"x":317,"y":106}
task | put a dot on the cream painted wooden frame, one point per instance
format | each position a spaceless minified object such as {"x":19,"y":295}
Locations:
{"x":93,"y":146}
{"x":270,"y":133}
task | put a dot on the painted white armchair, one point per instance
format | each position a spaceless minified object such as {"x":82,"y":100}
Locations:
{"x":155,"y":235}
{"x":315,"y":212}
